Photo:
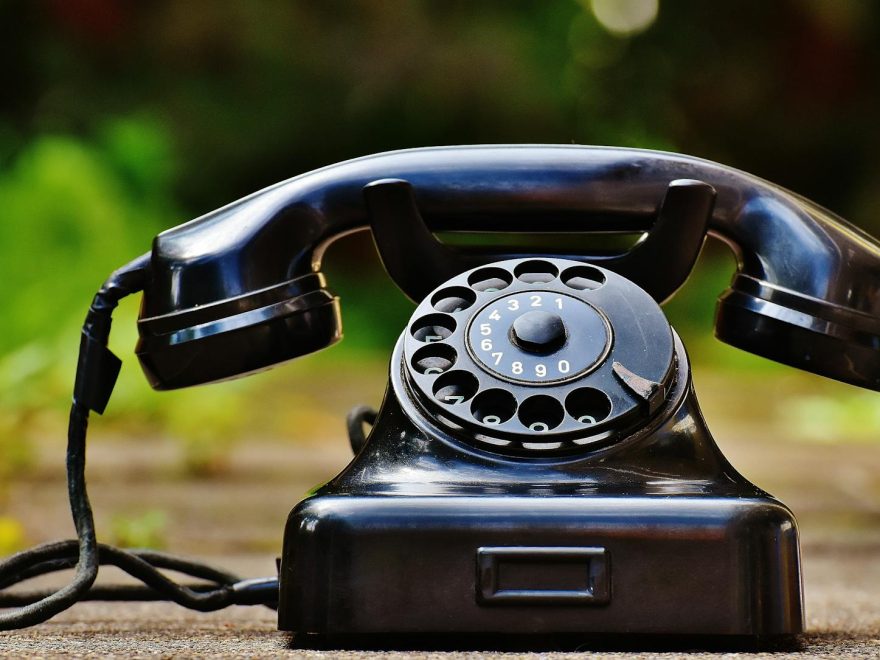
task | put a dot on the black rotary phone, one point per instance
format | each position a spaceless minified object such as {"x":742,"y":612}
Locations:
{"x":539,"y":464}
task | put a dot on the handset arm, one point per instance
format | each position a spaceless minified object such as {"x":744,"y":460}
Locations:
{"x":807,"y":291}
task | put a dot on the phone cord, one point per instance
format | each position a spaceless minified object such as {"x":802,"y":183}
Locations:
{"x":96,"y":374}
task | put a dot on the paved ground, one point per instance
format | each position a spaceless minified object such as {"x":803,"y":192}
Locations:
{"x":236,"y":523}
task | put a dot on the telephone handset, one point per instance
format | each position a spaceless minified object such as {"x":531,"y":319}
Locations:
{"x":539,"y":464}
{"x":806,"y":292}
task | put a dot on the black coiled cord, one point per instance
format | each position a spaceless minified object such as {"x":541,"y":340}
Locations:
{"x":96,"y":375}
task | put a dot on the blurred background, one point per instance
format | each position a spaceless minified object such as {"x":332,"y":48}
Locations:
{"x":121,"y":119}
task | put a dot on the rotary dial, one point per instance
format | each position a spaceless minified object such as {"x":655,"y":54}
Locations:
{"x":538,"y":356}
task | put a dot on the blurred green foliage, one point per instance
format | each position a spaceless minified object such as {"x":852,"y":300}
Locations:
{"x":75,"y":209}
{"x":120,"y":119}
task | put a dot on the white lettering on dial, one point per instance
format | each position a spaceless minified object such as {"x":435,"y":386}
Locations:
{"x":490,"y":339}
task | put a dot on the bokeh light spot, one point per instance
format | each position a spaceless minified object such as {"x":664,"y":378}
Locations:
{"x":625,"y":17}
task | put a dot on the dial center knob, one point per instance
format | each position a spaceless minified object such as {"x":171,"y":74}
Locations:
{"x":538,"y":331}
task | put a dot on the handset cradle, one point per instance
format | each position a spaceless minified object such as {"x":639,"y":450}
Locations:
{"x":418,"y":262}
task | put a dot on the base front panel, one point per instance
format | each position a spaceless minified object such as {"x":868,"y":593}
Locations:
{"x":541,"y":565}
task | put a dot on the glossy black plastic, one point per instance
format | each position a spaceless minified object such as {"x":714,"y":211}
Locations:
{"x":807,"y":290}
{"x":424,"y":534}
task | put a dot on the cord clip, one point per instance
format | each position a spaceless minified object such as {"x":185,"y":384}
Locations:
{"x":96,"y":373}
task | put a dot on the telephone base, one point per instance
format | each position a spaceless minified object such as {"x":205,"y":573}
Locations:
{"x":548,"y":565}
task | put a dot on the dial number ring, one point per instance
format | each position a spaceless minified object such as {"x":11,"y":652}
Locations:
{"x":492,"y":347}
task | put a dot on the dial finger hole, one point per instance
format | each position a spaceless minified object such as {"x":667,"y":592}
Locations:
{"x":583,"y":278}
{"x":434,"y":359}
{"x":490,"y":279}
{"x":433,"y":327}
{"x":493,"y":407}
{"x":535,"y":272}
{"x":588,"y":406}
{"x":455,"y":387}
{"x":541,"y":413}
{"x":453,"y":299}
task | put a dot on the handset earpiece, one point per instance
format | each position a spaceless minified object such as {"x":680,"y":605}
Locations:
{"x":807,"y":290}
{"x":234,"y":292}
{"x":238,"y":335}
